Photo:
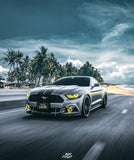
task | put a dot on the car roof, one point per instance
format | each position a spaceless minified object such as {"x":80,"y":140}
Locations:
{"x":77,"y":77}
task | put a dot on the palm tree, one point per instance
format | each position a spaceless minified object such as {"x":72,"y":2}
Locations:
{"x":70,"y":69}
{"x":61,"y":72}
{"x":53,"y":68}
{"x":43,"y":67}
{"x":11,"y":76}
{"x":10,"y":58}
{"x":14,"y":60}
{"x":40,"y":64}
{"x":23,"y":70}
{"x":88,"y":70}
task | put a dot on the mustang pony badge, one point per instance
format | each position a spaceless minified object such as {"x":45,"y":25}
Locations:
{"x":44,"y":97}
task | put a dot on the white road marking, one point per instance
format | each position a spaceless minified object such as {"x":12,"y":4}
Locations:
{"x":11,"y":111}
{"x":95,"y":151}
{"x":124,"y":111}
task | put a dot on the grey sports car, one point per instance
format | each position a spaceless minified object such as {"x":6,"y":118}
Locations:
{"x":76,"y":95}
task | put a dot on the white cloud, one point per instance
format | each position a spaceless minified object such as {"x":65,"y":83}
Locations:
{"x":103,"y":13}
{"x":116,"y":31}
{"x":77,"y":63}
{"x":113,"y":72}
{"x":3,"y":70}
{"x":2,"y":50}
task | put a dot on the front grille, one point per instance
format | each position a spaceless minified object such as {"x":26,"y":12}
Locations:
{"x":40,"y":98}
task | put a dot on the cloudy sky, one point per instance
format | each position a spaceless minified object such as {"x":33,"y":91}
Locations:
{"x":98,"y":31}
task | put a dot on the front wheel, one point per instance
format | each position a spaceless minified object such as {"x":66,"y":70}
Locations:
{"x":86,"y":107}
{"x":104,"y":102}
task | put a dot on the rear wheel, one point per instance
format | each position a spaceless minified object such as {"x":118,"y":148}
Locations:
{"x":104,"y":102}
{"x":86,"y":107}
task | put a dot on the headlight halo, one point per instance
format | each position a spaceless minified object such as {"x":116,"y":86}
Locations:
{"x":73,"y":96}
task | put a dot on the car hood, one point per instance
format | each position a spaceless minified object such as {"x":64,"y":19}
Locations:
{"x":53,"y":89}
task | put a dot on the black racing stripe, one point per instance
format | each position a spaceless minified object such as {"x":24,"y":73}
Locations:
{"x":59,"y":90}
{"x":49,"y":91}
{"x":40,"y":92}
{"x":66,"y":90}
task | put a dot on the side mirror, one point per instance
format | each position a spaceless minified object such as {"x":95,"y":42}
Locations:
{"x":92,"y":87}
{"x":96,"y":85}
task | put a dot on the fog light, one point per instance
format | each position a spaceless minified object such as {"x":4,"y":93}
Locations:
{"x":69,"y":109}
{"x":28,"y":107}
{"x":28,"y":95}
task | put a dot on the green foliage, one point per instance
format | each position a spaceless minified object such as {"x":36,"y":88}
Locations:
{"x":43,"y":68}
{"x":88,"y":70}
{"x":18,"y":66}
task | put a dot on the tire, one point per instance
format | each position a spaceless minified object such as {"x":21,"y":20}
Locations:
{"x":86,"y":107}
{"x":104,"y":102}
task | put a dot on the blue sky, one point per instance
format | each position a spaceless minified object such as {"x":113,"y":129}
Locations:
{"x":101,"y":32}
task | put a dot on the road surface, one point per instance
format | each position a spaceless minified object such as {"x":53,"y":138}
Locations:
{"x":108,"y":134}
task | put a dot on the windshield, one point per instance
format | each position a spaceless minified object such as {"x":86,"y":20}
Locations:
{"x":80,"y":81}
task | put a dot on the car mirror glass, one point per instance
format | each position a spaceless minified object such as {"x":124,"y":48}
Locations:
{"x":96,"y":85}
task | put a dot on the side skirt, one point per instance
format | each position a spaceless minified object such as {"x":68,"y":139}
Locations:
{"x":96,"y":104}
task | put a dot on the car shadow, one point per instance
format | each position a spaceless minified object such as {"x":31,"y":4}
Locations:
{"x":68,"y":118}
{"x":51,"y":117}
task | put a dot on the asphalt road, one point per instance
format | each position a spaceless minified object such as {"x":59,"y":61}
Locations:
{"x":108,"y":134}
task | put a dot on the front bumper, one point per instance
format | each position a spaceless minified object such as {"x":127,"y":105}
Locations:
{"x":68,"y":107}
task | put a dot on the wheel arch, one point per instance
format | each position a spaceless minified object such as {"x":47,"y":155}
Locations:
{"x":90,"y":97}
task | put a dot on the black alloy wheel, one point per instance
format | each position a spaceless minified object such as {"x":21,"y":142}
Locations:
{"x":86,"y":107}
{"x":104,"y":102}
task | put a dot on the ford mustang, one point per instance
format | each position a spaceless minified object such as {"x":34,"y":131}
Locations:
{"x":75,"y":95}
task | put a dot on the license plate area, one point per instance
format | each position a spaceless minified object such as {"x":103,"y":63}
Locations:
{"x":43,"y":106}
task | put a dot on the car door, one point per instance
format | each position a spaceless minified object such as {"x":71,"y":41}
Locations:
{"x":96,"y":91}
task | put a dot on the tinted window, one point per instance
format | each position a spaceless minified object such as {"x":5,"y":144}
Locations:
{"x":80,"y":81}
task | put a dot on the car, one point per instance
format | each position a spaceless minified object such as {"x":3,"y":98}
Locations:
{"x":73,"y":95}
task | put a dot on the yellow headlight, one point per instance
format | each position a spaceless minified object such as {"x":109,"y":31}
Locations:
{"x":28,"y":94}
{"x":72,"y":96}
